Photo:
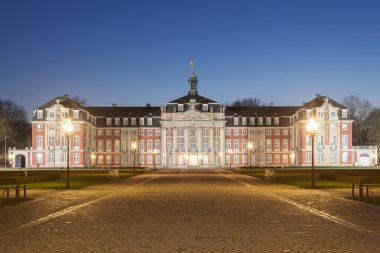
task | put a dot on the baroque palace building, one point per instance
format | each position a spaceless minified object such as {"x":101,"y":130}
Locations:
{"x":192,"y":131}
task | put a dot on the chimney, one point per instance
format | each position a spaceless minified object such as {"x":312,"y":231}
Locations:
{"x":271,"y":104}
{"x":318,"y":95}
{"x":66,"y":95}
{"x":148,"y":105}
{"x":114,"y":105}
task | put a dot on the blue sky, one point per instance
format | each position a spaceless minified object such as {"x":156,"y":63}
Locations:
{"x":135,"y":52}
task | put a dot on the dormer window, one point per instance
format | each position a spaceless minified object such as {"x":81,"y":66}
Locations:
{"x":125,"y":121}
{"x":260,"y":121}
{"x":133,"y":121}
{"x":244,"y":121}
{"x":276,"y":120}
{"x":150,"y":121}
{"x":268,"y":121}
{"x":236,"y":121}
{"x":192,"y":101}
{"x":141,"y":121}
{"x":180,"y":107}
{"x":252,"y":121}
{"x":344,"y":114}
{"x":117,"y":121}
{"x":76,"y":114}
{"x":40,"y":114}
{"x":109,"y":121}
{"x":205,"y":107}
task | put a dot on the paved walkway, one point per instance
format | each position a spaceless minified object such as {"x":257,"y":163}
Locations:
{"x":190,"y":211}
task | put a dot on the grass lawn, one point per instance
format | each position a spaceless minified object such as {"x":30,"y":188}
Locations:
{"x":302,"y":177}
{"x":78,"y":179}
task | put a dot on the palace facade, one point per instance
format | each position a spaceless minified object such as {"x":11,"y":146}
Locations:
{"x":192,"y":131}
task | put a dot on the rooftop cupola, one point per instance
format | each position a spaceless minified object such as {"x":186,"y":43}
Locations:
{"x":193,"y":81}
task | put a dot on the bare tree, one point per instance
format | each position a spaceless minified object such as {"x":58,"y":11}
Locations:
{"x":372,"y":125}
{"x":81,"y":101}
{"x":14,"y":125}
{"x":359,"y":110}
{"x":249,"y":102}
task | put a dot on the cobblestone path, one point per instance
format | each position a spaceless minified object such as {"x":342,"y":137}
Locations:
{"x":190,"y":211}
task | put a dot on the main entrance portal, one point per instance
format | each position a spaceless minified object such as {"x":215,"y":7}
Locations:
{"x":193,"y":161}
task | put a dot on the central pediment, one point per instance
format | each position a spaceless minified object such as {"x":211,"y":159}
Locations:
{"x":192,"y":115}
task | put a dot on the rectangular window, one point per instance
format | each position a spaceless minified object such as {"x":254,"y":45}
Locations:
{"x":205,"y":107}
{"x":277,"y":144}
{"x":344,"y":141}
{"x":158,"y":133}
{"x":228,"y":132}
{"x":157,"y":145}
{"x":117,"y":132}
{"x":244,"y":132}
{"x":205,"y":131}
{"x":260,"y":121}
{"x":180,"y":131}
{"x":108,"y":159}
{"x":261,"y":158}
{"x":260,"y":131}
{"x":141,"y":145}
{"x":76,"y":114}
{"x":236,"y":145}
{"x":285,"y":158}
{"x":64,"y":157}
{"x":169,"y":144}
{"x":261,"y":145}
{"x":149,"y":132}
{"x":180,"y":107}
{"x":149,"y":145}
{"x":124,"y":146}
{"x":51,"y":158}
{"x":268,"y":132}
{"x":216,"y":144}
{"x":236,"y":121}
{"x":125,"y":121}
{"x":141,"y":121}
{"x":180,"y":143}
{"x":193,"y":144}
{"x":320,"y":157}
{"x":244,"y":145}
{"x":64,"y":141}
{"x":100,"y":132}
{"x":109,"y":121}
{"x":308,"y":141}
{"x":124,"y":159}
{"x":344,"y":127}
{"x":117,"y":159}
{"x":344,"y":157}
{"x":76,"y":157}
{"x":117,"y":121}
{"x":149,"y":159}
{"x":108,"y":145}
{"x":108,"y":132}
{"x":236,"y":158}
{"x":244,"y":121}
{"x":116,"y":145}
{"x":150,"y":121}
{"x":40,"y":114}
{"x":228,"y":144}
{"x":39,"y":141}
{"x":344,"y":114}
{"x":308,"y":157}
{"x":333,"y":141}
{"x":276,"y":120}
{"x":276,"y":158}
{"x":76,"y":141}
{"x":285,"y":144}
{"x":268,"y":121}
{"x":333,"y":157}
{"x":205,"y":144}
{"x":276,"y":132}
{"x":333,"y":114}
{"x":236,"y":132}
{"x":100,"y":159}
{"x":269,"y":145}
{"x":51,"y":141}
{"x":133,"y":121}
{"x":252,"y":121}
{"x":39,"y":127}
{"x":141,"y":159}
{"x":285,"y":132}
{"x":100,"y":146}
{"x":269,"y":158}
{"x":141,"y":132}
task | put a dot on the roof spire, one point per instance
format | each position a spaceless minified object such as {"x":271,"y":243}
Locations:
{"x":192,"y":66}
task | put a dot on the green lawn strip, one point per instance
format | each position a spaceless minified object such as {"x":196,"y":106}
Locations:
{"x":78,"y":179}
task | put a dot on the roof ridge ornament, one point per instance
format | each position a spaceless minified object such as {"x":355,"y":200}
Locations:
{"x":192,"y":66}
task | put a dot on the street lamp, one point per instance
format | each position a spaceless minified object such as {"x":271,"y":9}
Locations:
{"x":312,"y":128}
{"x":154,"y":159}
{"x":230,"y":152}
{"x":250,"y":146}
{"x":134,"y":147}
{"x":68,"y":128}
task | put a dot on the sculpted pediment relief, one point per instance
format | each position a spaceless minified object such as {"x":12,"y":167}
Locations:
{"x":192,"y":115}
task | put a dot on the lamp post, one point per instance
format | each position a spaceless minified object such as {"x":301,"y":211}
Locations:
{"x":154,"y":159}
{"x":68,"y":128}
{"x":230,"y":152}
{"x":312,"y":128}
{"x":134,"y":147}
{"x":5,"y":151}
{"x":250,"y":146}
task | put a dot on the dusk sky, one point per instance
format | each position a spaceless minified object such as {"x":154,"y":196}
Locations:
{"x":135,"y":52}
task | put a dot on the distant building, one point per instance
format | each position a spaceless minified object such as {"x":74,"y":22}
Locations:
{"x":194,"y":131}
